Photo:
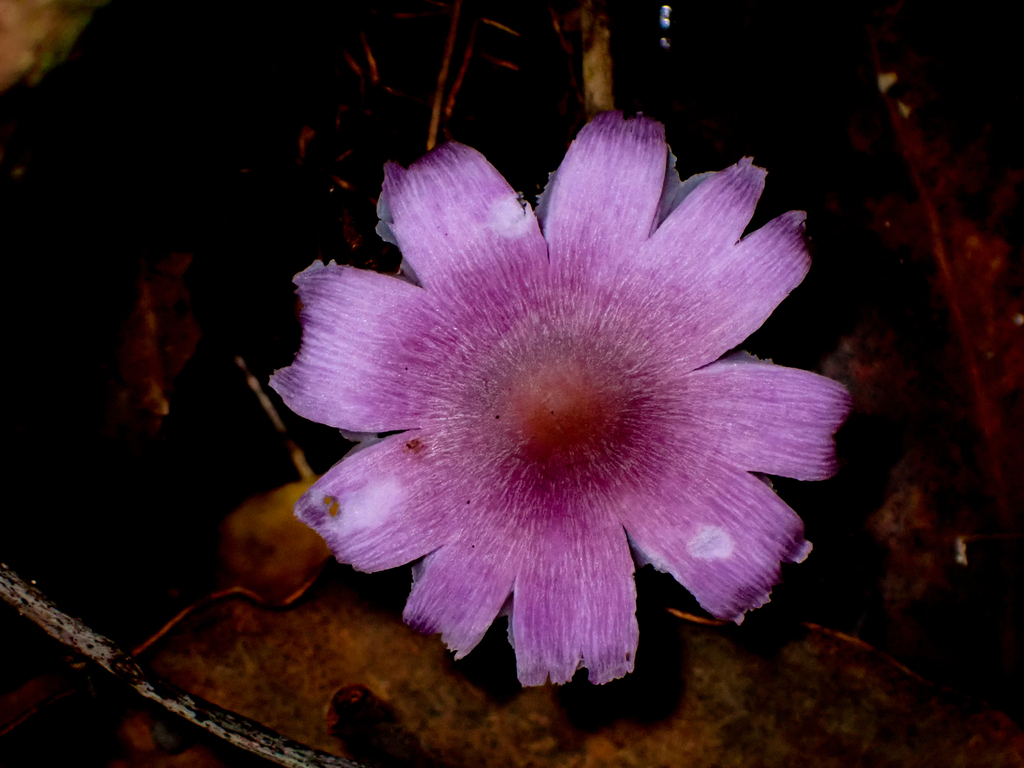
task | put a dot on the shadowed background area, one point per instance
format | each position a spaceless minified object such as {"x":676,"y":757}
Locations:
{"x":160,"y":188}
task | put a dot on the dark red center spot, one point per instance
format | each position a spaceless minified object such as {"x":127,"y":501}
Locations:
{"x":559,"y":412}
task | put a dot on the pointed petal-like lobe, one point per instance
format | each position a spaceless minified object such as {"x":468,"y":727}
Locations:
{"x":765,"y":418}
{"x":719,"y":209}
{"x":717,"y":288}
{"x":602,"y":201}
{"x":721,"y":533}
{"x":459,"y":589}
{"x":575,"y":599}
{"x":359,"y":363}
{"x":385,"y":505}
{"x":457,"y":221}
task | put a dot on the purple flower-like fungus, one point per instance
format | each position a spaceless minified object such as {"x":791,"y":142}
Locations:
{"x":564,"y":401}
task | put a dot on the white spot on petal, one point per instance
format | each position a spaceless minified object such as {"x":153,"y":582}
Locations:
{"x":508,"y":218}
{"x":711,"y":543}
{"x":371,"y":505}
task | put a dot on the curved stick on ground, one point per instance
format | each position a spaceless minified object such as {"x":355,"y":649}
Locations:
{"x":233,"y":728}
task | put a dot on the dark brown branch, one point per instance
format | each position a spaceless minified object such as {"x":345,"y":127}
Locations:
{"x":233,"y":728}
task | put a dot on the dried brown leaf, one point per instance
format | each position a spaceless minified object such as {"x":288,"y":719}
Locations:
{"x":159,"y":336}
{"x":816,"y":701}
{"x":265,"y":549}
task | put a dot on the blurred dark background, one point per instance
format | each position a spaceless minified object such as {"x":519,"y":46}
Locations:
{"x":160,"y":187}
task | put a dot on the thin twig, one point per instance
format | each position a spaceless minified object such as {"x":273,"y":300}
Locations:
{"x":865,"y":646}
{"x":420,"y":14}
{"x":402,"y":95}
{"x":62,"y":687}
{"x":354,"y":66}
{"x":499,"y":25}
{"x":449,"y":105}
{"x":695,"y":619}
{"x":371,"y":62}
{"x":346,"y":185}
{"x":834,"y":633}
{"x":224,"y":594}
{"x":442,"y":76}
{"x":505,"y":63}
{"x":297,"y":455}
{"x":233,"y":728}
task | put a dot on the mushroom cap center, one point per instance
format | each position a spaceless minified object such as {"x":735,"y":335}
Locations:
{"x":559,"y":412}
